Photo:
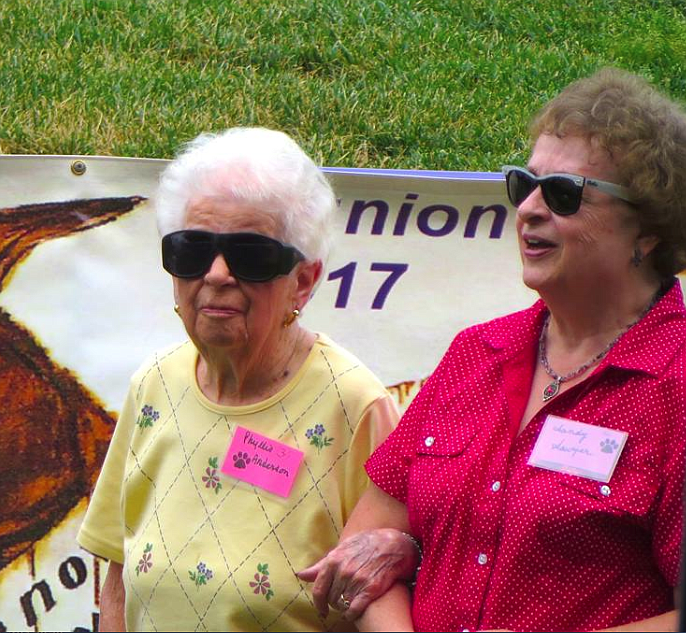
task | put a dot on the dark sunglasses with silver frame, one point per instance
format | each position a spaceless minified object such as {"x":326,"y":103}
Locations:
{"x":250,"y":256}
{"x":561,"y":192}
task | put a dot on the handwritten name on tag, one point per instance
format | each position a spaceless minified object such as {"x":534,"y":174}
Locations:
{"x":262,"y":461}
{"x":578,"y":448}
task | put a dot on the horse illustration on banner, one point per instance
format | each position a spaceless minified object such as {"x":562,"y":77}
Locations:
{"x":53,"y":430}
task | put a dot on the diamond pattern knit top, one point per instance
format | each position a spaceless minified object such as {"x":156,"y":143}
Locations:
{"x":203,"y":551}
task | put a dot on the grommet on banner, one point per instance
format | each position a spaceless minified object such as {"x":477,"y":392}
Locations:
{"x":78,"y":168}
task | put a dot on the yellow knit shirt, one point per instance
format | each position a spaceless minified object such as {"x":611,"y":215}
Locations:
{"x":203,"y":551}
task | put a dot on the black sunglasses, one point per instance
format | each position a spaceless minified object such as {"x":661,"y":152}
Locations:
{"x":249,"y":256}
{"x":561,"y":192}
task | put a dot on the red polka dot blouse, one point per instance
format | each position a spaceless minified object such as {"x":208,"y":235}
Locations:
{"x":513,"y":546}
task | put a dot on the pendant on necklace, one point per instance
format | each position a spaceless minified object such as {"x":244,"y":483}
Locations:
{"x":551,"y":390}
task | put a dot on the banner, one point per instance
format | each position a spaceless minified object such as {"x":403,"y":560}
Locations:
{"x":418,"y":256}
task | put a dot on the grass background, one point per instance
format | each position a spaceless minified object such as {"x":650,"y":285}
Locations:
{"x":433,"y":84}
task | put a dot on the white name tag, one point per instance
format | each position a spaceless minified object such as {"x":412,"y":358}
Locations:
{"x":577,"y":448}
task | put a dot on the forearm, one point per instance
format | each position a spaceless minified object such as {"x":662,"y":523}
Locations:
{"x":376,"y":509}
{"x":388,"y":519}
{"x":373,"y":554}
{"x":664,"y":622}
{"x":112,"y":600}
{"x":390,"y":612}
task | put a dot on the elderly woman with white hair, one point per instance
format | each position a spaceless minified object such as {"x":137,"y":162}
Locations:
{"x":237,"y":458}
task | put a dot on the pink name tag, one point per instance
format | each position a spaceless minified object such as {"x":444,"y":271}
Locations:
{"x":262,"y":461}
{"x":578,"y":448}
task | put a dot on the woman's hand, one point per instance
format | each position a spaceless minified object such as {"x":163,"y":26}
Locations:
{"x":361,"y":569}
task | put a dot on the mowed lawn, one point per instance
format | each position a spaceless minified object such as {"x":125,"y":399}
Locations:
{"x":440,"y":84}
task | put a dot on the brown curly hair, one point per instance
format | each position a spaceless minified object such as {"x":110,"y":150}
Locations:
{"x":645,"y":134}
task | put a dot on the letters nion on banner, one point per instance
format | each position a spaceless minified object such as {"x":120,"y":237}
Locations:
{"x":434,"y":220}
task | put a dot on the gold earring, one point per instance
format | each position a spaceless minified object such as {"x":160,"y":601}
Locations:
{"x":177,"y":309}
{"x":291,"y":317}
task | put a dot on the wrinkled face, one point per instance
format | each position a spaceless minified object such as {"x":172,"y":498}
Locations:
{"x":587,"y":251}
{"x":221,"y":312}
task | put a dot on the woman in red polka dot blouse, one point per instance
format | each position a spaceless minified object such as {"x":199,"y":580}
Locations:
{"x":508,"y":544}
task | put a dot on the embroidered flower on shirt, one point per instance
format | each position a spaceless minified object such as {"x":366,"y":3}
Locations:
{"x":147,"y":416}
{"x":211,"y":479}
{"x":317,"y":437}
{"x":145,"y":563}
{"x":262,"y":584}
{"x":201,"y":575}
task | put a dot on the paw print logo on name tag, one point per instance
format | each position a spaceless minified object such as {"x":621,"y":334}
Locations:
{"x":608,"y":446}
{"x":241,"y":460}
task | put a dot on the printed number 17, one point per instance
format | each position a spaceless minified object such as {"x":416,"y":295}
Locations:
{"x":347,"y":273}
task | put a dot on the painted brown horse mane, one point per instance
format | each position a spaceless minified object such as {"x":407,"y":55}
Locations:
{"x":53,"y":431}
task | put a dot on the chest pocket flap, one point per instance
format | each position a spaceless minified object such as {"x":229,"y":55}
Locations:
{"x":627,"y":491}
{"x":445,"y":439}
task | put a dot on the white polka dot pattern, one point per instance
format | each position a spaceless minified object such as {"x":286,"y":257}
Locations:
{"x":507,"y":545}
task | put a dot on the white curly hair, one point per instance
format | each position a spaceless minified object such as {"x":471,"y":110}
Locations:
{"x":262,"y":168}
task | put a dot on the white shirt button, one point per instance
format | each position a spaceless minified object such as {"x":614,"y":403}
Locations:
{"x":496,"y":486}
{"x":483,"y":559}
{"x":605,"y":490}
{"x":429,"y":441}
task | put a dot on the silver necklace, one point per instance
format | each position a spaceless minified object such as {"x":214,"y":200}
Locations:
{"x":553,"y":388}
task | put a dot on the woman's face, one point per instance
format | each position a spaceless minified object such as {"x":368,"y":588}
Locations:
{"x":587,"y":251}
{"x":223,"y":313}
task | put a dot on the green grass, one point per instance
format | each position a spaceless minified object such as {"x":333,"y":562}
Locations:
{"x":441,"y":84}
